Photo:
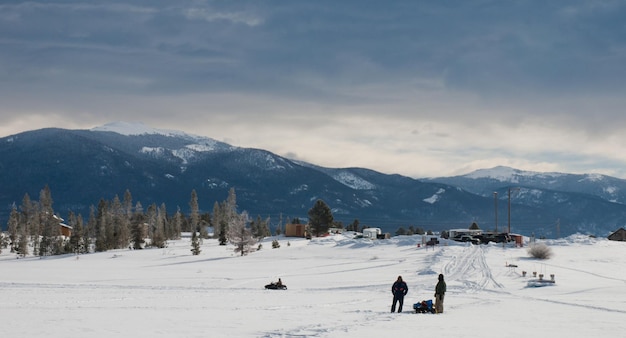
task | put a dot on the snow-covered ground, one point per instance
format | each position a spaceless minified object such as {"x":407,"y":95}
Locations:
{"x":338,"y":287}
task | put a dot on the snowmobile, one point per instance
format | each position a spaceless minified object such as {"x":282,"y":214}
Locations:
{"x":425,"y":306}
{"x":276,"y":286}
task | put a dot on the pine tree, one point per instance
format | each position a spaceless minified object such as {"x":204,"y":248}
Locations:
{"x":255,"y":225}
{"x":275,"y":244}
{"x":354,"y":226}
{"x":231,"y":200}
{"x":194,"y":215}
{"x":30,"y":221}
{"x":4,"y":241}
{"x":177,"y":224}
{"x":320,"y":218}
{"x":77,"y":243}
{"x":151,"y":219}
{"x":401,"y":231}
{"x":22,"y":243}
{"x":217,"y":221}
{"x":13,"y":228}
{"x":222,"y":237}
{"x":128,"y":204}
{"x":138,"y":229}
{"x":195,"y":244}
{"x":158,"y":236}
{"x":91,"y":230}
{"x":260,"y":228}
{"x":204,"y":233}
{"x":120,"y":224}
{"x":223,"y":213}
{"x":102,"y":227}
{"x":51,"y":242}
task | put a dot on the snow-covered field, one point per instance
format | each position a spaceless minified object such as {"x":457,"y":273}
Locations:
{"x":338,"y":287}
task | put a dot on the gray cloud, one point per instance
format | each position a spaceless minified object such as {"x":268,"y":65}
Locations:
{"x":452,"y":84}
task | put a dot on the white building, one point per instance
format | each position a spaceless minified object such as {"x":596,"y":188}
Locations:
{"x":372,"y":232}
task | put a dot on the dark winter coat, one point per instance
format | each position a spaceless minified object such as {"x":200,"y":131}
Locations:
{"x":440,"y":289}
{"x":399,"y":289}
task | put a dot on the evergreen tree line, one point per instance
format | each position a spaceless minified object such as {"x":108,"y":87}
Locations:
{"x":33,"y":227}
{"x":118,"y":224}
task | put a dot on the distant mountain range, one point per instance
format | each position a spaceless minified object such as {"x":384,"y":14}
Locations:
{"x":162,"y":166}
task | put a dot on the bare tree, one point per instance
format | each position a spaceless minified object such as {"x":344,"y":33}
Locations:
{"x":240,"y":236}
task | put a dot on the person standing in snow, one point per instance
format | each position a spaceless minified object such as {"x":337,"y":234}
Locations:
{"x":399,"y":290}
{"x":440,"y":291}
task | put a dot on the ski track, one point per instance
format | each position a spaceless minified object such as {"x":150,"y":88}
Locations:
{"x":580,"y":305}
{"x":466,"y":269}
{"x":332,"y":329}
{"x":585,"y":272}
{"x":471,"y":263}
{"x":471,"y":269}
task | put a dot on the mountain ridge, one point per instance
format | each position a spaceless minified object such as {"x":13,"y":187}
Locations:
{"x":160,"y":166}
{"x":484,"y":181}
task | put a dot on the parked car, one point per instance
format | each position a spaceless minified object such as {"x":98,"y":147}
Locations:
{"x":494,"y":237}
{"x":467,"y":238}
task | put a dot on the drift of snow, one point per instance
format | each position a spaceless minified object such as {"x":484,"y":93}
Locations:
{"x":337,"y":287}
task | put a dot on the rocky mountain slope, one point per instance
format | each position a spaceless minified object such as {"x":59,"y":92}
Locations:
{"x":160,"y":166}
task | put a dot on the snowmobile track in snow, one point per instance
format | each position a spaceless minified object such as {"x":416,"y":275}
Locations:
{"x":471,"y":269}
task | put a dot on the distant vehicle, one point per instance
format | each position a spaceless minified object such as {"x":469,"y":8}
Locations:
{"x":452,"y":233}
{"x":275,"y":286}
{"x":467,"y":238}
{"x":494,"y":237}
{"x":372,"y":233}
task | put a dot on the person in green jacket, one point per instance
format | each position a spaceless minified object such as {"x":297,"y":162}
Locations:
{"x":440,"y":291}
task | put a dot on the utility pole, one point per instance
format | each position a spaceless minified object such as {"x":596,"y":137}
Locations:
{"x":558,"y":228}
{"x":510,"y":207}
{"x":495,"y":202}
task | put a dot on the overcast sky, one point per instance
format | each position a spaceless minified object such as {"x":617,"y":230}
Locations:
{"x":419,"y":88}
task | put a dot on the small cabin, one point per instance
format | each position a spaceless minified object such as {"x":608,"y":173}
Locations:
{"x":295,"y":230}
{"x":66,"y":230}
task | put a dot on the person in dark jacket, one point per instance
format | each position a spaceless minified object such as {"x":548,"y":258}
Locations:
{"x":399,"y":290}
{"x":440,"y":291}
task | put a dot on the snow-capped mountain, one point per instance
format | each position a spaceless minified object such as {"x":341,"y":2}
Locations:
{"x":486,"y":181}
{"x":592,"y":203}
{"x":136,"y":128}
{"x":81,"y":167}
